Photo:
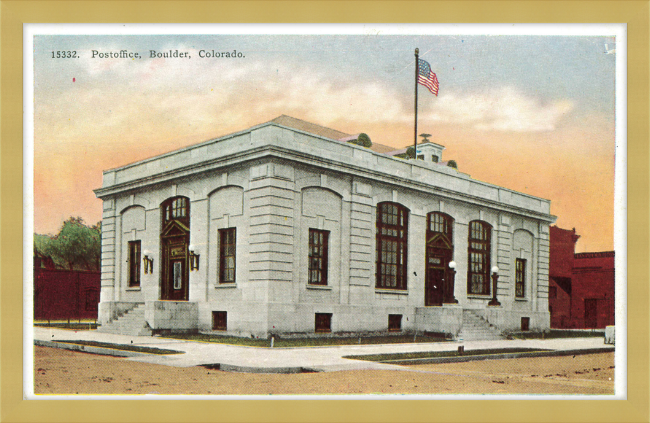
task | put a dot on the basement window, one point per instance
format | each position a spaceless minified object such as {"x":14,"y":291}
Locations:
{"x":219,"y":320}
{"x":394,"y":322}
{"x":323,"y":322}
{"x":525,"y":324}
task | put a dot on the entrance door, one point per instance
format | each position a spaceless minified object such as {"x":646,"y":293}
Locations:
{"x":439,"y":281}
{"x":175,"y":272}
{"x":175,"y":276}
{"x":434,"y":286}
{"x":591,"y":313}
{"x":174,"y":240}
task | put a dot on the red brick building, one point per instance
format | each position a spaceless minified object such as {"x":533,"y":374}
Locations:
{"x":581,"y":286}
{"x":64,"y":294}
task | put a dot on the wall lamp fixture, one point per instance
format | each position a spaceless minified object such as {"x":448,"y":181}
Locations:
{"x":194,"y":258}
{"x":148,"y":263}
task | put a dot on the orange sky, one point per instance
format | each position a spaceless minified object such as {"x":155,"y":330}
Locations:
{"x":578,"y":177}
{"x":529,"y":127}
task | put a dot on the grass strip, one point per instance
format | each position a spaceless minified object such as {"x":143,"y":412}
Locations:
{"x":123,"y":347}
{"x":558,"y":334}
{"x":75,"y":326}
{"x":307,"y":342}
{"x":439,"y":354}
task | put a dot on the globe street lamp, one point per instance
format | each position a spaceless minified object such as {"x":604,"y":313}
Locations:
{"x":495,"y":277}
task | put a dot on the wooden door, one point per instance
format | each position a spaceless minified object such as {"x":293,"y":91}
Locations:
{"x":591,"y":313}
{"x":434,"y":286}
{"x":175,"y":274}
{"x":437,"y":260}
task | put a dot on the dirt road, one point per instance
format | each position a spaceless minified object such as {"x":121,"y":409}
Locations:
{"x":65,"y":372}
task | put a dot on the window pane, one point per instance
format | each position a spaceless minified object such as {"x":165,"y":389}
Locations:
{"x":177,"y":274}
{"x":520,"y":277}
{"x":392,"y":236}
{"x":479,"y":258}
{"x":134,"y":263}
{"x":227,"y":255}
{"x":317,"y":272}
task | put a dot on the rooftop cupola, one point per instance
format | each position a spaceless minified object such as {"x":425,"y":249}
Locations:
{"x":429,"y":151}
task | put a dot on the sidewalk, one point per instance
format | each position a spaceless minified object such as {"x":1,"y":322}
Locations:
{"x":287,"y":360}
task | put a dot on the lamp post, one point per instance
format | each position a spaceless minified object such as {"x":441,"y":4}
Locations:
{"x":450,"y":283}
{"x":495,"y":277}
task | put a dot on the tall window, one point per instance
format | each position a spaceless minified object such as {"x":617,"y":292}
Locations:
{"x":520,"y":278}
{"x":318,"y":256}
{"x":478,"y":251}
{"x":134,"y":263}
{"x":392,"y":237}
{"x":227,"y":249}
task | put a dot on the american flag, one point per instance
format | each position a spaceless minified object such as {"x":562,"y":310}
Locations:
{"x":426,"y":77}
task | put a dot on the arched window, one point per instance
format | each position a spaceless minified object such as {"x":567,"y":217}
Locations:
{"x":177,"y":208}
{"x":478,"y":251}
{"x":392,"y":239}
{"x":441,"y":223}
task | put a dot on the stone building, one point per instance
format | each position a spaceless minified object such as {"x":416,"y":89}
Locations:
{"x":286,"y":228}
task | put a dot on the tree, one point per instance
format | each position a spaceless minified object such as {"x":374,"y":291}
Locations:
{"x":76,"y":246}
{"x":410,"y":152}
{"x":362,"y":140}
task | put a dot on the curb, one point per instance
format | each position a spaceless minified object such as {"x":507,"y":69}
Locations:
{"x":64,"y":345}
{"x":247,"y":369}
{"x":496,"y":356}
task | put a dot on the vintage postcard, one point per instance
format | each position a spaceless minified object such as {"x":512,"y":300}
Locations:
{"x":378,"y":211}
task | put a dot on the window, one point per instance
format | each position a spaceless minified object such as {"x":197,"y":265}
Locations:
{"x":520,"y":278}
{"x":525,"y":324}
{"x":318,"y":256}
{"x":323,"y":322}
{"x":227,"y":241}
{"x":392,"y":237}
{"x":176,"y":209}
{"x":434,"y":159}
{"x":478,"y":250}
{"x":219,"y":320}
{"x":440,"y":223}
{"x":134,"y":263}
{"x":394,"y":322}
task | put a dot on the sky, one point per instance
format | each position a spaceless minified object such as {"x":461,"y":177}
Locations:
{"x":535,"y":114}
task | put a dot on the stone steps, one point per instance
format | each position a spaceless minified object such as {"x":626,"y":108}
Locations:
{"x":475,"y":328}
{"x":130,"y":323}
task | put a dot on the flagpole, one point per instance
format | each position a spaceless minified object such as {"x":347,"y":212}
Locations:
{"x":417,"y":64}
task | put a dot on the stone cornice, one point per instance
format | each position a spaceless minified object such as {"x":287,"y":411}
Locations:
{"x":344,"y":158}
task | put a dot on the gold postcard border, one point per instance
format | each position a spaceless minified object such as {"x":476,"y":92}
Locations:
{"x":14,"y":14}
